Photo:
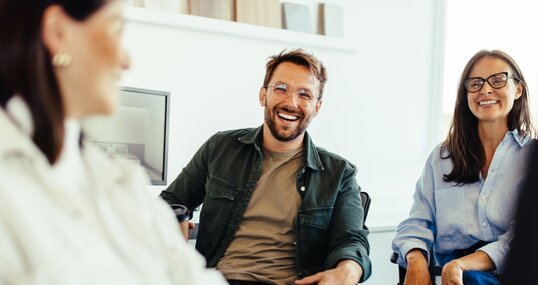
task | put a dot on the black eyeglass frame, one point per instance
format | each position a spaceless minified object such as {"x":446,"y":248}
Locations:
{"x":483,"y":80}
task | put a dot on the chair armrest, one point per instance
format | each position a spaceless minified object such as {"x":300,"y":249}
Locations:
{"x":394,"y":257}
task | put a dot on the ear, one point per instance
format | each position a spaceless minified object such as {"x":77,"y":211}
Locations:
{"x":262,"y":95}
{"x":519,"y":90}
{"x":54,"y":25}
{"x":317,"y":107}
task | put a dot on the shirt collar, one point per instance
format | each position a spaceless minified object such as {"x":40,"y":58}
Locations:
{"x":17,"y":127}
{"x":311,"y":155}
{"x":19,"y":112}
{"x":522,"y":140}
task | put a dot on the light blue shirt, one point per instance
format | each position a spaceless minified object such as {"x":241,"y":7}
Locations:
{"x":451,"y":217}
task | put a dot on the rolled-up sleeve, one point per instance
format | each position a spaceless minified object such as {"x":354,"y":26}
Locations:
{"x":418,"y":230}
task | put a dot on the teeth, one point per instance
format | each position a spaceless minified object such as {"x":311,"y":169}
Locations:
{"x":287,"y":116}
{"x":482,"y":103}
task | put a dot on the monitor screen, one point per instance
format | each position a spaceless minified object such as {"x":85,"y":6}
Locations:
{"x":137,"y":131}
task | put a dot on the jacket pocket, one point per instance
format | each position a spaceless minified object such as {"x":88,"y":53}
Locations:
{"x":319,"y":218}
{"x":218,"y":188}
{"x":216,"y":213}
{"x":314,"y":226}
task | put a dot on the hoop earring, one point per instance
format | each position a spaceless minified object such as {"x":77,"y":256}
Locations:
{"x":61,"y":59}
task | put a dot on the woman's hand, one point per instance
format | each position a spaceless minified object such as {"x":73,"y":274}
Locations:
{"x":417,"y":269}
{"x":452,"y":273}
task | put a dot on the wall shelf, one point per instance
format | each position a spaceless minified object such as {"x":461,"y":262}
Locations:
{"x":210,"y":25}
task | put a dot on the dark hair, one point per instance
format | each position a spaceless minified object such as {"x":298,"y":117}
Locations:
{"x":26,"y":69}
{"x":300,"y":57}
{"x":462,"y":143}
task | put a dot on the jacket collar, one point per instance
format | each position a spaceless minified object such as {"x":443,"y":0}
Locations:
{"x":312,"y":160}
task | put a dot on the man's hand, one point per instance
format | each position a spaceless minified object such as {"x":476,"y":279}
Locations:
{"x":348,"y":272}
{"x":417,"y":269}
{"x":452,"y":273}
{"x":184,"y":227}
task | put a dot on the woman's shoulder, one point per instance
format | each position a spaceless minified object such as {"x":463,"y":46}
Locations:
{"x":439,"y":153}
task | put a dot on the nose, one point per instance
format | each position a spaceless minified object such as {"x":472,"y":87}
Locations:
{"x":292,"y":99}
{"x":486,"y":89}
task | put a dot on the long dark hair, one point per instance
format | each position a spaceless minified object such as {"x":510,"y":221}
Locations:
{"x":463,"y":144}
{"x":26,"y":69}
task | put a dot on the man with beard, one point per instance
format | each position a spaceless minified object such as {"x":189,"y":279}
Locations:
{"x":277,"y":209}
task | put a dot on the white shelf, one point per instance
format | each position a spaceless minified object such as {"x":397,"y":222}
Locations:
{"x":209,"y":25}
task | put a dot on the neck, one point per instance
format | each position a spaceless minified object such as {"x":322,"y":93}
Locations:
{"x":491,"y":134}
{"x":272,"y":144}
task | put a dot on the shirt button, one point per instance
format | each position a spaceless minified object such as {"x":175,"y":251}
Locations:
{"x":484,"y":197}
{"x":303,"y":188}
{"x":484,"y":224}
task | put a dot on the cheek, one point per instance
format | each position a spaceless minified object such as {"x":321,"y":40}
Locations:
{"x":106,"y":50}
{"x":470,"y":101}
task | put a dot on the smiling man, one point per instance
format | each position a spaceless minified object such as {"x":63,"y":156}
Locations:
{"x":277,"y":209}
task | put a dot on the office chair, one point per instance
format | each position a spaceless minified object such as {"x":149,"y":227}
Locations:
{"x":365,"y":200}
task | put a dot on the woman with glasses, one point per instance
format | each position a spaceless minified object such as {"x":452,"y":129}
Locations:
{"x":68,"y":213}
{"x":464,"y":201}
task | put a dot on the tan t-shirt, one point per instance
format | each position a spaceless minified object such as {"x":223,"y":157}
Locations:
{"x":264,"y":246}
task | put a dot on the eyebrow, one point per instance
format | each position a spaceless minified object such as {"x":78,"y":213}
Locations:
{"x":498,"y":73}
{"x":305,"y":88}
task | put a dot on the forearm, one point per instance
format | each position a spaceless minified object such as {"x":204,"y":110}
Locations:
{"x":184,"y":191}
{"x":478,"y":261}
{"x":416,"y":257}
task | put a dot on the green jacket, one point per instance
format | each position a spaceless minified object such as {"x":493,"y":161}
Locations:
{"x":223,"y":174}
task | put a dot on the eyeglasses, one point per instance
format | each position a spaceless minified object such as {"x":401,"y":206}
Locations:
{"x":281,"y":91}
{"x":496,"y":81}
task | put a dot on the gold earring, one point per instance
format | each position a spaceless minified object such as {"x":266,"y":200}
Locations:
{"x":61,"y":59}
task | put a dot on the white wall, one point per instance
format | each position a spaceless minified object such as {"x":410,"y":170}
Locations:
{"x":381,"y":106}
{"x":377,"y":109}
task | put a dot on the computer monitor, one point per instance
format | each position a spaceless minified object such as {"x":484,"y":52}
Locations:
{"x":137,"y":131}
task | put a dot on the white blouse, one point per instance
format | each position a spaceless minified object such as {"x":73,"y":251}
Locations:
{"x":85,"y":220}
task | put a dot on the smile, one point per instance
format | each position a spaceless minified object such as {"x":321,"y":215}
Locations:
{"x":488,"y":102}
{"x":287,"y":117}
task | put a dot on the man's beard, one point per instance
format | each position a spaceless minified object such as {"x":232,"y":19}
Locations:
{"x":270,"y":115}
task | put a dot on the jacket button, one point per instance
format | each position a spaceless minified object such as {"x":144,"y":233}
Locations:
{"x":303,"y":188}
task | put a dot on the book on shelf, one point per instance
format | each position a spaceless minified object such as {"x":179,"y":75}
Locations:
{"x":176,"y":6}
{"x":218,"y":9}
{"x":259,"y":12}
{"x":331,"y":20}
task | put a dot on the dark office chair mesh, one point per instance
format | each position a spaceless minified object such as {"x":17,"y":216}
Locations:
{"x":365,"y":200}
